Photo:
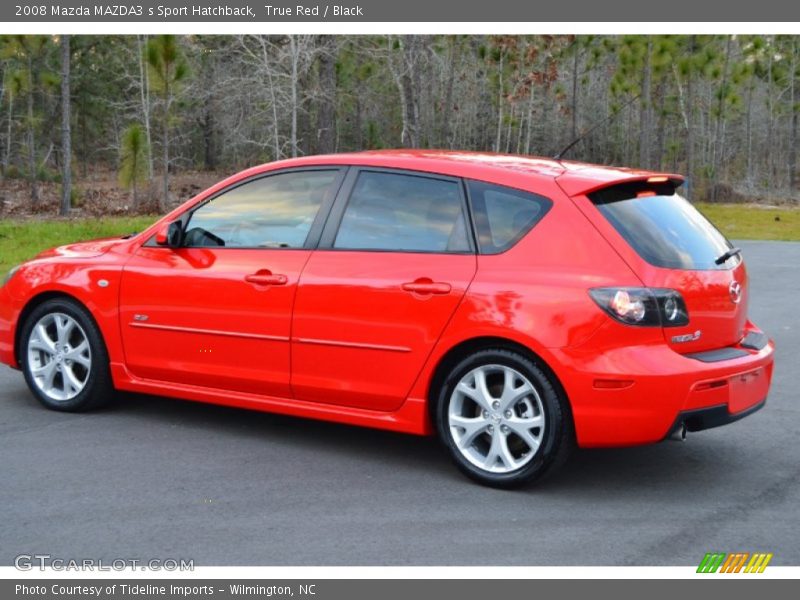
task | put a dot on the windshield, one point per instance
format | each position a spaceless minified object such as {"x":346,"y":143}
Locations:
{"x":665,"y":230}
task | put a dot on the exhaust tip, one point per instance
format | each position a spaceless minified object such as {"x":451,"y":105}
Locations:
{"x":679,"y":433}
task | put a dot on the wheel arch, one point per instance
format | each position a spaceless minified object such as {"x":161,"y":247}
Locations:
{"x":464,"y":348}
{"x":36,"y":301}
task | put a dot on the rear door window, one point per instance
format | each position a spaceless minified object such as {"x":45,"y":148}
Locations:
{"x":503,"y":215}
{"x":663,"y":228}
{"x":407,"y":213}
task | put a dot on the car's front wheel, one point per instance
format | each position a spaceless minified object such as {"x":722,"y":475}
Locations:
{"x":64,"y":358}
{"x":502,"y":419}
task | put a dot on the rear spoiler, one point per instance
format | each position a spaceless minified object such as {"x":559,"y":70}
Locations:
{"x":652,"y":186}
{"x":586,"y":180}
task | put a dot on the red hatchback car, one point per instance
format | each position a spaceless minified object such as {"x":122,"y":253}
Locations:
{"x":515,"y":306}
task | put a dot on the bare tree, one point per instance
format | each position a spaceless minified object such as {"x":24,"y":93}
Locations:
{"x":11,"y":89}
{"x":793,"y":95}
{"x":66,"y":117}
{"x":326,"y":111}
{"x":33,"y":176}
{"x":273,"y":97}
{"x":144,"y":93}
{"x":719,"y":146}
{"x":500,"y":101}
{"x":453,"y":57}
{"x":301,"y":54}
{"x":404,"y":67}
{"x":646,"y":110}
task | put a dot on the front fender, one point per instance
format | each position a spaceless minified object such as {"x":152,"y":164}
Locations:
{"x":94,"y":284}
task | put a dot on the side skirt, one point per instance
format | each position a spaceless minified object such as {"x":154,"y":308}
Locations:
{"x":412,"y":417}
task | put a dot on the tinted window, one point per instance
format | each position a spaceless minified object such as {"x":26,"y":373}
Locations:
{"x":665,"y":230}
{"x":390,"y":211}
{"x":503,"y":215}
{"x":272,"y":212}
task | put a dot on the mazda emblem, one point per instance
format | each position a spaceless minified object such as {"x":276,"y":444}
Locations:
{"x":735,"y":290}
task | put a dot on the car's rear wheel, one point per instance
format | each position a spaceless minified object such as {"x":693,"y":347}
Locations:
{"x":503,"y":420}
{"x":64,"y":358}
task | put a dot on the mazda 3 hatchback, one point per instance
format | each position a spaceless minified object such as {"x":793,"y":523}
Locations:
{"x":513,"y":306}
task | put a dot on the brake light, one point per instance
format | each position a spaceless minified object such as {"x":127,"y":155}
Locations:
{"x":646,"y":307}
{"x":627,"y":306}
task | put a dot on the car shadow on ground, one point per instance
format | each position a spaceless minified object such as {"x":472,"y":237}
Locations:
{"x":654,"y":467}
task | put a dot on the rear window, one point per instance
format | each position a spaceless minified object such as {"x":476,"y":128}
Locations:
{"x":663,"y":227}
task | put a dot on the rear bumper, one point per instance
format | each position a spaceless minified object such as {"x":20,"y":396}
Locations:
{"x":708,"y":418}
{"x":639,"y":394}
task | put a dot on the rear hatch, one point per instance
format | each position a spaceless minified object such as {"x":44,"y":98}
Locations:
{"x":670,"y":244}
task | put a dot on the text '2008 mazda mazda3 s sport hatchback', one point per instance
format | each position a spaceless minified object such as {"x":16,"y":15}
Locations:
{"x":514,"y":306}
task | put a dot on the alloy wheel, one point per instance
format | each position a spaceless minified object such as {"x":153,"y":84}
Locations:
{"x":496,"y":418}
{"x":59,"y":356}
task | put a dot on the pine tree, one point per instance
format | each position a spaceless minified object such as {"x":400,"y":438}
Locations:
{"x":168,"y":69}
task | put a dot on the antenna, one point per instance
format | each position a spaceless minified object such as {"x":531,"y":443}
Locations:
{"x":569,"y":146}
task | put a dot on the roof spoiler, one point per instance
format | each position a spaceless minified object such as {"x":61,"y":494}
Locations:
{"x":649,"y":186}
{"x":588,"y":181}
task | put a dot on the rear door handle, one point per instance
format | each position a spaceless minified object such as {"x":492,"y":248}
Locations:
{"x":424,"y":285}
{"x":266,"y":277}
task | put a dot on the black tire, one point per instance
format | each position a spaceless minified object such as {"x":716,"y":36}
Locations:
{"x":558,"y":437}
{"x":98,"y":388}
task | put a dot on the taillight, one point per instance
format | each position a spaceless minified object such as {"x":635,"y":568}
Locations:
{"x":646,"y":307}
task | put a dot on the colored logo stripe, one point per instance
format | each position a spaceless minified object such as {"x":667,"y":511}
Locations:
{"x":734,"y":562}
{"x":758,"y":563}
{"x":711,"y":562}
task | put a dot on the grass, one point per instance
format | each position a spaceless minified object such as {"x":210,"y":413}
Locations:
{"x":24,"y":239}
{"x":753,"y":222}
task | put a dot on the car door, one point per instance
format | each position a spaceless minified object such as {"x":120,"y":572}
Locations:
{"x":216,"y":312}
{"x":395,"y":259}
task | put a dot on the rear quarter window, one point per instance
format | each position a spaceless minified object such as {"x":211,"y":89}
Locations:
{"x":503,"y":215}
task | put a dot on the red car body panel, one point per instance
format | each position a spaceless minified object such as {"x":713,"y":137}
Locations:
{"x":359,"y":339}
{"x":340,"y":338}
{"x":206,"y":325}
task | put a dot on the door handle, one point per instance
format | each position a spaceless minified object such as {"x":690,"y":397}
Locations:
{"x":266,"y":277}
{"x":424,"y":285}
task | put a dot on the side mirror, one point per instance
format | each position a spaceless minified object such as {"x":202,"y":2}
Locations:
{"x":170,"y":235}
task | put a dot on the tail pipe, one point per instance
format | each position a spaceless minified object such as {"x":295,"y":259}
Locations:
{"x":678,"y":434}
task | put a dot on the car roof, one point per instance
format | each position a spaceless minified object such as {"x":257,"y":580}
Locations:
{"x":572,"y":176}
